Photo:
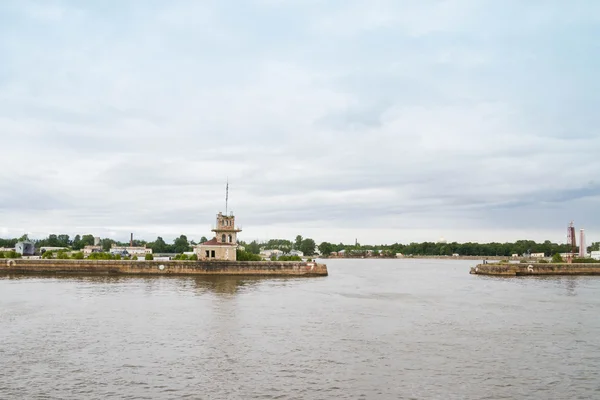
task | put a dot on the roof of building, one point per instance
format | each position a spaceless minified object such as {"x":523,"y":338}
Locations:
{"x":214,"y":242}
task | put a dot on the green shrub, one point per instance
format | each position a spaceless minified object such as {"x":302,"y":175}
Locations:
{"x":290,"y":258}
{"x":180,"y":257}
{"x":194,"y":257}
{"x":148,"y":257}
{"x":12,"y":254}
{"x":585,"y":261}
{"x":524,"y":261}
{"x":134,"y":258}
{"x":117,"y":256}
{"x":77,"y":256}
{"x":556,"y":258}
{"x":1,"y":254}
{"x":242,"y":255}
{"x":543,"y":262}
{"x":62,"y":255}
{"x":100,"y":256}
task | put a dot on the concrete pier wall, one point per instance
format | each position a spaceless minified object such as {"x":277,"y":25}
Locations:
{"x":127,"y":267}
{"x":524,"y":269}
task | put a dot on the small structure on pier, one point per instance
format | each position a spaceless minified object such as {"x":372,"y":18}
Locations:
{"x":224,"y":245}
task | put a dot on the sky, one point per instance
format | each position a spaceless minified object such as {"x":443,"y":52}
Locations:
{"x":380,"y":121}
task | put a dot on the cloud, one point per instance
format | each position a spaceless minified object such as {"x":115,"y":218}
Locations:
{"x":378,"y":120}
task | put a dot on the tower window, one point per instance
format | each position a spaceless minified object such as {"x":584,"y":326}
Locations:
{"x":229,"y":238}
{"x":223,"y":238}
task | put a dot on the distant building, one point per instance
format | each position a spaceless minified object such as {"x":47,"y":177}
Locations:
{"x":50,"y":248}
{"x":296,"y":253}
{"x":96,"y":241}
{"x":25,"y":248}
{"x":224,"y":245}
{"x":6,"y":249}
{"x":87,"y":250}
{"x":595,"y":255}
{"x":516,"y":255}
{"x":130,"y":250}
{"x":268,"y":253}
{"x":537,"y":255}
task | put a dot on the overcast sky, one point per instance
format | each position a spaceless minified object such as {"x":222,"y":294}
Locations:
{"x":385,"y":121}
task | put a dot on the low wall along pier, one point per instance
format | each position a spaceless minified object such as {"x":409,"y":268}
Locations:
{"x":525,"y":269}
{"x":129,"y":267}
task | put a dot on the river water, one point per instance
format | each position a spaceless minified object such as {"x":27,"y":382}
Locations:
{"x":373,"y":329}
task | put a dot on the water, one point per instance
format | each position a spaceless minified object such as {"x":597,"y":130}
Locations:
{"x":373,"y":329}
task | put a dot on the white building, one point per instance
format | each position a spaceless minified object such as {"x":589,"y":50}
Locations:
{"x":131,"y":250}
{"x":595,"y":255}
{"x":271,"y":252}
{"x":537,"y":255}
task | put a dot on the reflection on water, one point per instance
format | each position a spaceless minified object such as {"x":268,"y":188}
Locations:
{"x":373,"y":329}
{"x":216,"y":284}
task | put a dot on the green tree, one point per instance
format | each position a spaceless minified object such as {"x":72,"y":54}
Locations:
{"x":203,"y":239}
{"x":159,"y":245}
{"x":24,"y":238}
{"x":194,"y":257}
{"x":298,"y":242}
{"x":134,"y":257}
{"x":556,"y":258}
{"x":1,"y":254}
{"x":253,"y":247}
{"x":53,"y":241}
{"x":181,"y":244}
{"x":326,"y":248}
{"x":106,"y":244}
{"x":148,"y":257}
{"x":77,"y":243}
{"x":307,"y":246}
{"x":87,"y":240}
{"x":77,"y":256}
{"x":63,"y":240}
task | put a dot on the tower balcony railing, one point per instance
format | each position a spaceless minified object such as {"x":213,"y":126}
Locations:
{"x":226,"y":228}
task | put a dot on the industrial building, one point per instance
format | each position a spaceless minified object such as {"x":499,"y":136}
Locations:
{"x":25,"y":248}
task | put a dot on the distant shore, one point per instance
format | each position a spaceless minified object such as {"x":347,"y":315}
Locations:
{"x":487,"y":258}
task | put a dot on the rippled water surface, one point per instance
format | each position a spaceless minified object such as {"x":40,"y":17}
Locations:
{"x":385,"y":329}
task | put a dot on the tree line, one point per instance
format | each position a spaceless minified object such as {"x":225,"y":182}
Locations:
{"x":520,"y":247}
{"x":179,"y":245}
{"x":308,"y":246}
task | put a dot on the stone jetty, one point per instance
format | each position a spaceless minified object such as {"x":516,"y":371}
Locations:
{"x":527,"y":269}
{"x":131,"y":267}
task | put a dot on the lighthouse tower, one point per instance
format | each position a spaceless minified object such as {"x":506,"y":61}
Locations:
{"x":223,"y":245}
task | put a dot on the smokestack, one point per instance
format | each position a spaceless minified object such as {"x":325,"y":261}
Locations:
{"x":582,"y":252}
{"x":131,"y":241}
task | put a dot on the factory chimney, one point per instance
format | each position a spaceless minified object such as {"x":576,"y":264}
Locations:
{"x":131,"y":241}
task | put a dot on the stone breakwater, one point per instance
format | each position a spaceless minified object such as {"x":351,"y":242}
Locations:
{"x":127,"y":267}
{"x":526,"y":269}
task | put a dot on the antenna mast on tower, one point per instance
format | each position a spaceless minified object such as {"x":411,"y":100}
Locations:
{"x":226,"y":195}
